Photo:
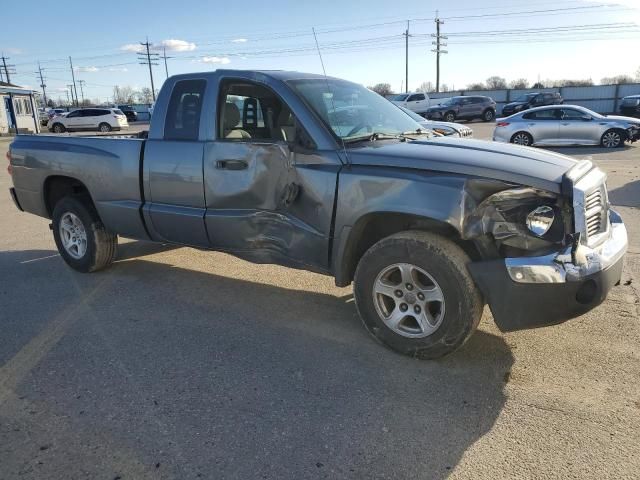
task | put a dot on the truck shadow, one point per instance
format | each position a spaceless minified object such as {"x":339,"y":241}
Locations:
{"x":627,"y":195}
{"x":241,"y":379}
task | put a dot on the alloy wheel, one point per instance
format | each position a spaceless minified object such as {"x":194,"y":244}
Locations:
{"x":408,"y":300}
{"x":611,"y":139}
{"x":73,"y":235}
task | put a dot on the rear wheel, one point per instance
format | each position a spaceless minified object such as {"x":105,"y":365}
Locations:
{"x":488,"y":115}
{"x":58,"y":128}
{"x":81,"y":238}
{"x":522,"y":138}
{"x":612,"y":139}
{"x":104,"y":127}
{"x":415,"y":295}
{"x":449,"y":117}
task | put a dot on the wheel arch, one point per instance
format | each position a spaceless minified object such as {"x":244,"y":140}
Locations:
{"x":56,"y":187}
{"x":372,"y":227}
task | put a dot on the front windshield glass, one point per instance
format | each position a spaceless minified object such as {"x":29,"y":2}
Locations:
{"x":352,"y":111}
{"x":399,"y":98}
{"x":526,"y":97}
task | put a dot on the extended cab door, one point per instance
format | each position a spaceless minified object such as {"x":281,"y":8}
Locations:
{"x":269,"y":193}
{"x":417,"y":102}
{"x":173,"y":178}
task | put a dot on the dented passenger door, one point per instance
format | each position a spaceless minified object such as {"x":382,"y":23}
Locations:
{"x":268,"y":198}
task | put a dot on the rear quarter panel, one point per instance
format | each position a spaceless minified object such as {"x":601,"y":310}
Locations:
{"x":108,"y":167}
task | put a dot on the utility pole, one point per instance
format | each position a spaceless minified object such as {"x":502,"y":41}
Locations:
{"x":73,"y":76}
{"x":151,"y":59}
{"x":42,"y":84}
{"x":164,"y":56}
{"x":7,"y":67}
{"x":406,"y":58}
{"x":438,"y":50}
{"x":67,"y":92}
{"x":82,"y":82}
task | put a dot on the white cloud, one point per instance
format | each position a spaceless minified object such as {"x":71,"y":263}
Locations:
{"x":119,"y":69}
{"x":239,"y":40}
{"x":86,"y":69}
{"x":220,"y":60}
{"x":173,"y":45}
{"x":131,"y":47}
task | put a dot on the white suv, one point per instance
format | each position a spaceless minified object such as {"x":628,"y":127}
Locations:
{"x":416,"y":102}
{"x":102,"y":119}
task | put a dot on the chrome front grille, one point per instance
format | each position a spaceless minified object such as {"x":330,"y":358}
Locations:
{"x":591,"y":207}
{"x":594,"y":212}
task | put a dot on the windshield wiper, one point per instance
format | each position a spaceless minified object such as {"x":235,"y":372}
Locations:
{"x":385,"y":136}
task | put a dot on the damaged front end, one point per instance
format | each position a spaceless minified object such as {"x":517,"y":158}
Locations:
{"x":548,"y":257}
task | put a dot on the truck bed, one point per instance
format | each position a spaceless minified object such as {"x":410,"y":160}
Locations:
{"x":110,"y":168}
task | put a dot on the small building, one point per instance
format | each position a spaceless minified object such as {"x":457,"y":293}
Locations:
{"x":18,"y":110}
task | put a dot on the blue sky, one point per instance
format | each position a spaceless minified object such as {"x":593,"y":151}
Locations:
{"x":361,"y":41}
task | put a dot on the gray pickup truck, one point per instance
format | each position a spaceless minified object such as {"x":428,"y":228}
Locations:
{"x":324,"y":175}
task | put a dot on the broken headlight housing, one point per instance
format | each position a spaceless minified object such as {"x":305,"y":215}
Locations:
{"x":522,"y":221}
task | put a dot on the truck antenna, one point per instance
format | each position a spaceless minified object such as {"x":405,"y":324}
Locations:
{"x":326,"y":79}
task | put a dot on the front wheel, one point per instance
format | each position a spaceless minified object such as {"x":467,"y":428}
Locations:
{"x":415,"y":295}
{"x":81,"y":238}
{"x":449,"y":117}
{"x":104,"y":127}
{"x":612,"y":139}
{"x":58,"y":128}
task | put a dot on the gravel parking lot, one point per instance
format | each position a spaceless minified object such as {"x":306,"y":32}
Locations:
{"x":179,"y":363}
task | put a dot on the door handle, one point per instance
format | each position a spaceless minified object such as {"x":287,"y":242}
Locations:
{"x":231,"y":164}
{"x":565,"y":124}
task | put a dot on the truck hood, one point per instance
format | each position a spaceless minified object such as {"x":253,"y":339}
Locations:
{"x":510,"y":163}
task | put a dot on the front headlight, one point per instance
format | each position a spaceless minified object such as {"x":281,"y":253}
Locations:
{"x":539,"y":220}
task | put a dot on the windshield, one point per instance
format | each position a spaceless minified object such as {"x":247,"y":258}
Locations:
{"x":352,"y":111}
{"x":399,"y":98}
{"x":412,"y":114}
{"x":526,"y":97}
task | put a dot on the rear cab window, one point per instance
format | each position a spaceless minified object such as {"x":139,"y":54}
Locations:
{"x":185,"y":107}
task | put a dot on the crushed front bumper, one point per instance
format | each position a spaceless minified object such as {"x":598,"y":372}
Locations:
{"x":529,"y":292}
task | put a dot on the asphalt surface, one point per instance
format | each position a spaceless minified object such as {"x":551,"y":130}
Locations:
{"x":179,"y":363}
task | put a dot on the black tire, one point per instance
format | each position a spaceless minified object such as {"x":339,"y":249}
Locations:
{"x":527,"y":139}
{"x":488,"y":115}
{"x":613,"y":138}
{"x":446,"y":263}
{"x":101,"y":245}
{"x":104,"y":127}
{"x":449,"y":117}
{"x":58,"y":128}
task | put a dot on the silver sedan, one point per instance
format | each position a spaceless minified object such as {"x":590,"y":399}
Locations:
{"x":561,"y":125}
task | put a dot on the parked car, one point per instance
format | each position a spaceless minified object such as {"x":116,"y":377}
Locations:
{"x":54,"y":112}
{"x":427,"y":229}
{"x":129,"y":112}
{"x":463,"y":108}
{"x":416,"y":102}
{"x":566,"y":125}
{"x":530,"y":100}
{"x":446,"y":129}
{"x":102,"y":119}
{"x":43,"y":116}
{"x":630,"y":106}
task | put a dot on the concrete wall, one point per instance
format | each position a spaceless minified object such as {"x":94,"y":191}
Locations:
{"x":600,"y":98}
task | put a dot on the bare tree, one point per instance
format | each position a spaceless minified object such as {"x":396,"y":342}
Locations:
{"x":144,"y":96}
{"x":587,"y":82}
{"x":476,"y":86}
{"x":123,"y":94}
{"x":496,"y":83}
{"x":382,"y":89}
{"x":519,"y":83}
{"x":426,"y":87}
{"x":618,"y":79}
{"x":538,"y":85}
{"x":444,"y":87}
